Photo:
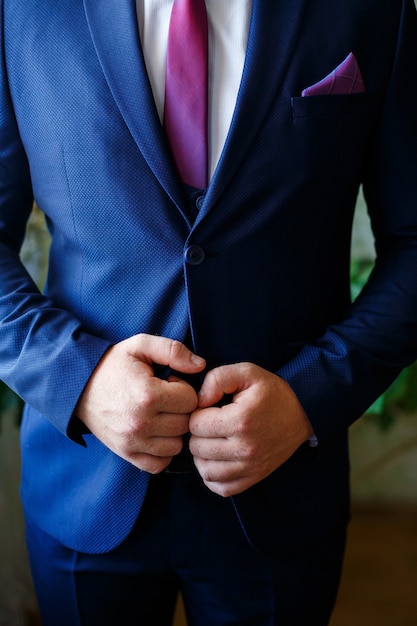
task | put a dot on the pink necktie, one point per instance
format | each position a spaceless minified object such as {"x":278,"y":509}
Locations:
{"x":185,"y":116}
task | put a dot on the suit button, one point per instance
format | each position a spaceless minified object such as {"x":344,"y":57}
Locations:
{"x":199,"y":202}
{"x":194,"y":255}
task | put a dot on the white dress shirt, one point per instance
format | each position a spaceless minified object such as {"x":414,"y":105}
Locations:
{"x":228,"y":34}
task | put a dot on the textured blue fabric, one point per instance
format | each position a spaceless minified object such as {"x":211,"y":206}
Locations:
{"x":79,"y":128}
{"x":183,"y":533}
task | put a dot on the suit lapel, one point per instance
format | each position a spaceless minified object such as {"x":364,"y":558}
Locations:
{"x":114,"y":30}
{"x":272,"y":36}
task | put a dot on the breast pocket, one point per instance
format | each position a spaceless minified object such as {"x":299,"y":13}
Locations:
{"x":333,"y":133}
{"x":333,"y":106}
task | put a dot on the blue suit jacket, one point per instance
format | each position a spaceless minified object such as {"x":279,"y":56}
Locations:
{"x":78,"y":126}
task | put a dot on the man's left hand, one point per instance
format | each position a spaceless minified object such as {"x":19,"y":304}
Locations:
{"x":238,"y":444}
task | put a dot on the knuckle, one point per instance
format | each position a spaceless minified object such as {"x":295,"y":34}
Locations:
{"x":222,"y":490}
{"x":249,"y":452}
{"x":218,"y":373}
{"x":126,"y":446}
{"x":133,"y":431}
{"x":215,"y":376}
{"x":145,"y":401}
{"x":153,"y":465}
{"x":206,"y":474}
{"x":176,"y":349}
{"x":157,"y":468}
{"x":242,"y":427}
{"x":178,"y":445}
{"x":137,"y":341}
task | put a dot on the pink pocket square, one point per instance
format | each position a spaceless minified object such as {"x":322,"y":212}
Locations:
{"x":344,"y":80}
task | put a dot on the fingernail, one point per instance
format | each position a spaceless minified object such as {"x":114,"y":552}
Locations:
{"x":197,"y":360}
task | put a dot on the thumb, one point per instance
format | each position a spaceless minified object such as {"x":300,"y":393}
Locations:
{"x":221,"y":381}
{"x":164,"y":351}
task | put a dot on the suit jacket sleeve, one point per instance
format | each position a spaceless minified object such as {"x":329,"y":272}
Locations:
{"x":340,"y":375}
{"x":39,"y":343}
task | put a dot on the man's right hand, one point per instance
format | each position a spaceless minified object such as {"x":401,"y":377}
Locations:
{"x":138,"y":416}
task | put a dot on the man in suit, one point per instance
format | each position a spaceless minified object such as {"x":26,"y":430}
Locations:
{"x":194,"y":342}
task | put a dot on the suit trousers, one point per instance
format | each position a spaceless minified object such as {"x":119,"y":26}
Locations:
{"x":186,"y":540}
